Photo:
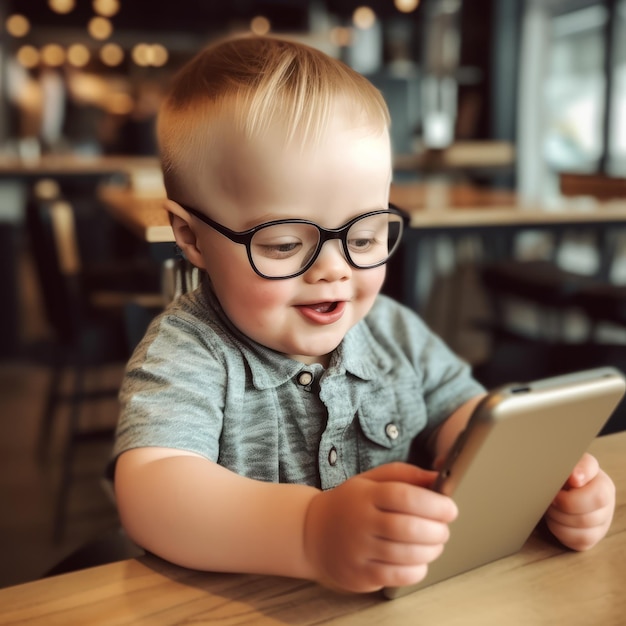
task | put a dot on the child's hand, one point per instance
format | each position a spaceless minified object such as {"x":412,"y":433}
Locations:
{"x":380,"y":528}
{"x":582,"y":511}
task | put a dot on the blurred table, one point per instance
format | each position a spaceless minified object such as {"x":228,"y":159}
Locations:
{"x":439,"y":206}
{"x":63,"y":165}
{"x":143,"y":214}
{"x":495,"y":216}
{"x":461,"y":156}
{"x":543,"y":584}
{"x":435,"y":208}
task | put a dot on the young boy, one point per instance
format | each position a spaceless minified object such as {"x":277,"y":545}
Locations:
{"x":267,"y":416}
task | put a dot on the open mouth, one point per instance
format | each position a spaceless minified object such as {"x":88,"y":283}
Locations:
{"x":323,"y":307}
{"x":323,"y":312}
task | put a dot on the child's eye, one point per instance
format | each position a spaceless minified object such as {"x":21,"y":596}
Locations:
{"x":278,"y":250}
{"x":362,"y":242}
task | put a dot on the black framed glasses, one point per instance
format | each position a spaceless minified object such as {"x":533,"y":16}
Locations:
{"x":287,"y":248}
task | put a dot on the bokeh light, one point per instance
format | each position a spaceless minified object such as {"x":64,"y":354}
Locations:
{"x":158,"y":55}
{"x":141,"y":54}
{"x":17,"y":25}
{"x":260,"y":25}
{"x":78,"y":55}
{"x":53,"y":54}
{"x":100,"y":28}
{"x":145,"y":54}
{"x":62,"y":6}
{"x":341,"y":36}
{"x":119,"y":103}
{"x":406,"y":6}
{"x":28,"y":56}
{"x":106,"y":8}
{"x":111,"y":54}
{"x":46,"y":189}
{"x":364,"y":17}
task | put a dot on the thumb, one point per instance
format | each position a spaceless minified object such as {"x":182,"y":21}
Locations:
{"x":585,"y":470}
{"x":402,"y":472}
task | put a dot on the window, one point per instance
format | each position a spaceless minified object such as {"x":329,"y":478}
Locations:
{"x":574,"y":90}
{"x":617,"y":136}
{"x":585,"y":87}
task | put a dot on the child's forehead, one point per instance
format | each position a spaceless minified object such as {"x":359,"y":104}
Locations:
{"x":349,"y":166}
{"x":226,"y":154}
{"x":340,"y":142}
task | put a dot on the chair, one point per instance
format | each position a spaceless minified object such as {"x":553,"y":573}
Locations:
{"x":85,"y":308}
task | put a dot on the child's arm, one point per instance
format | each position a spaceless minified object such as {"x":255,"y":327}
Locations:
{"x":379,"y":528}
{"x":581,"y":513}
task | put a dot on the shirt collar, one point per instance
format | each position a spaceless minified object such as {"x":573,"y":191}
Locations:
{"x":358,"y":354}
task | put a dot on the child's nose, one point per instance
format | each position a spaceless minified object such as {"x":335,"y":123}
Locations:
{"x":331,"y":263}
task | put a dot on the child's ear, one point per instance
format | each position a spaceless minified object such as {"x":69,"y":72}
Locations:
{"x":184,"y":233}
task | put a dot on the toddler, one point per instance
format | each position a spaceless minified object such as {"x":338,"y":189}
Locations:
{"x":268,"y":415}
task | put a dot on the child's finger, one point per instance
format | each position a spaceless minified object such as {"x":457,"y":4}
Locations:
{"x":584,"y":471}
{"x":402,"y":472}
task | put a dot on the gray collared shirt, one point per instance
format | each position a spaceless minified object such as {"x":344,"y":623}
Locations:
{"x":196,"y":383}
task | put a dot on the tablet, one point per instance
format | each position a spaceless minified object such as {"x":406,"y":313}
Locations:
{"x":518,"y":449}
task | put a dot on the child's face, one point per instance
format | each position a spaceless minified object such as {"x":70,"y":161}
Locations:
{"x":346,"y":175}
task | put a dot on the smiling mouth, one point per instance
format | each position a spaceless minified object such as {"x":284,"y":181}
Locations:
{"x":323,"y":312}
{"x":323,"y":307}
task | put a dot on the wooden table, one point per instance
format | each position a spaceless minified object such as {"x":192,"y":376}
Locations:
{"x":542,"y":584}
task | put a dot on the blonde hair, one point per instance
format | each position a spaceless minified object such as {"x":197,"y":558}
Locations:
{"x":256,"y":83}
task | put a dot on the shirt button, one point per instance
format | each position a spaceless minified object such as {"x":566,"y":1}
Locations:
{"x":305,"y":378}
{"x":392,"y":431}
{"x":332,"y":456}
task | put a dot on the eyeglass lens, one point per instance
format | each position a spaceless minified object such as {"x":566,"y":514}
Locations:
{"x":285,"y":249}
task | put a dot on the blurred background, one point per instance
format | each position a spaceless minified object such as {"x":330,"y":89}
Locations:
{"x":492,"y":102}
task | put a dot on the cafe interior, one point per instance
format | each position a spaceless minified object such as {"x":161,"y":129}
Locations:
{"x":509,"y":142}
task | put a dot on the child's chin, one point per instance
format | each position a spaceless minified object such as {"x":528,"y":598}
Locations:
{"x":315,"y":356}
